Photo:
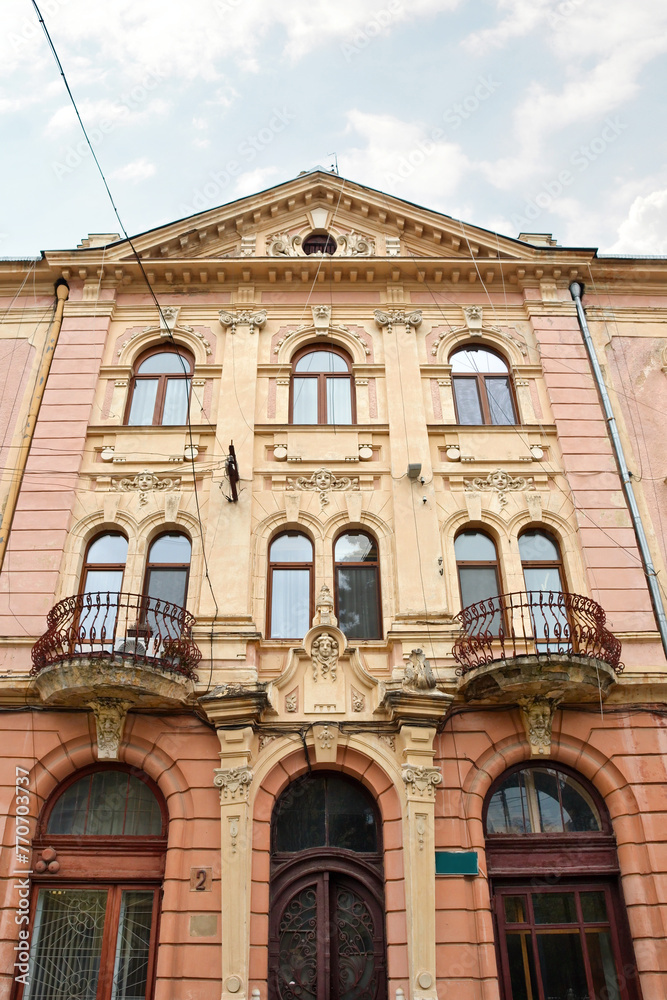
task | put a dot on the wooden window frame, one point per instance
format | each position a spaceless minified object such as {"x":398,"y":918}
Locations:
{"x":150,"y":566}
{"x":518,"y":864}
{"x":544,"y":563}
{"x":310,"y":566}
{"x":321,"y":384}
{"x":114,"y":862}
{"x":375,"y":565}
{"x":162,"y":379}
{"x":478,"y":563}
{"x":320,"y":235}
{"x":87,"y":565}
{"x":480,"y":382}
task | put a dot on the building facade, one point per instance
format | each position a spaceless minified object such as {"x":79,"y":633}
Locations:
{"x":331,"y":651}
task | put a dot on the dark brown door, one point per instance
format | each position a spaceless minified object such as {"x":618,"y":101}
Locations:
{"x":327,"y":940}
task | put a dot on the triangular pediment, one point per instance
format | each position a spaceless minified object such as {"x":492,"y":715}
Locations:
{"x":274,"y":223}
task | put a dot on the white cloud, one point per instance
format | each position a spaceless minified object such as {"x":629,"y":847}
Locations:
{"x":138,"y":170}
{"x":403,"y":158}
{"x":103,"y":114}
{"x":645,"y":228}
{"x":523,"y":16}
{"x":253,"y":180}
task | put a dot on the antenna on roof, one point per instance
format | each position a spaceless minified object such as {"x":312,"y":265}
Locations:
{"x":334,"y":165}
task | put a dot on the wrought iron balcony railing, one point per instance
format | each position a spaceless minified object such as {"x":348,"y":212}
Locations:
{"x":534,"y":623}
{"x":145,"y":630}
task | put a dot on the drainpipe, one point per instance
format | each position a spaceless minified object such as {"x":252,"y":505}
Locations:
{"x":62,"y":293}
{"x":576,"y":291}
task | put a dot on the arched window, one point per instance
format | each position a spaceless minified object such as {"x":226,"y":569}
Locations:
{"x":321,"y":386}
{"x":168,"y":568}
{"x":104,"y":564}
{"x":326,"y":924}
{"x":542,"y":573}
{"x":479,"y":577}
{"x":357,"y":585}
{"x":319,"y":242}
{"x":483,"y":391}
{"x":557,"y":937}
{"x":160,"y":388}
{"x":100,"y":846}
{"x":290,"y":591}
{"x":100,"y":597}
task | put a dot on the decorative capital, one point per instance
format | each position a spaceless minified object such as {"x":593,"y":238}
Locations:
{"x":411,"y":320}
{"x":234,"y":784}
{"x":421,"y":781}
{"x":243,"y":318}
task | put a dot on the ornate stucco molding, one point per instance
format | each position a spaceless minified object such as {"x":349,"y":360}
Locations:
{"x":418,"y":674}
{"x":234,"y":783}
{"x":421,"y":781}
{"x":282,"y":245}
{"x":411,"y":320}
{"x":537,"y":715}
{"x":143,"y":483}
{"x":314,"y":328}
{"x":324,"y":608}
{"x":168,"y":327}
{"x":356,"y":245}
{"x":324,"y":654}
{"x":499,"y":482}
{"x":323,"y":481}
{"x":110,"y":714}
{"x":243,"y":318}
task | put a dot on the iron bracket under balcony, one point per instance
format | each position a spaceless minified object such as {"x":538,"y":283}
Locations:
{"x":536,"y":644}
{"x":115,"y":645}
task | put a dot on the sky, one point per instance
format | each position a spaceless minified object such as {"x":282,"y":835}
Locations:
{"x":513,"y":115}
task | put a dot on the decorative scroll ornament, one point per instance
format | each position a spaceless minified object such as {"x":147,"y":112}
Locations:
{"x":243,"y":318}
{"x":234,"y":783}
{"x":538,"y":716}
{"x":144,"y":483}
{"x":418,"y":674}
{"x":110,"y":716}
{"x":411,"y":320}
{"x":323,"y":481}
{"x":356,"y":245}
{"x":421,"y":780}
{"x":282,"y":245}
{"x":358,"y":701}
{"x":499,"y":482}
{"x":324,"y":654}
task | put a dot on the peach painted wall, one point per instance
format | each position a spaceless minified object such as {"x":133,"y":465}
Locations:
{"x":30,"y":573}
{"x":624,"y":755}
{"x":613,"y":564}
{"x":179,"y":753}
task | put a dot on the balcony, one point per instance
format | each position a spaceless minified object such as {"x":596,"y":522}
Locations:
{"x":116,"y":645}
{"x":537,"y":643}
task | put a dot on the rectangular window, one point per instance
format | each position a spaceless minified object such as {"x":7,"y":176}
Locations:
{"x":468,"y":406}
{"x":290,"y":603}
{"x":304,"y":406}
{"x":358,"y":601}
{"x":143,"y":402}
{"x":499,"y":395}
{"x":339,"y":403}
{"x":480,"y":583}
{"x":176,"y":399}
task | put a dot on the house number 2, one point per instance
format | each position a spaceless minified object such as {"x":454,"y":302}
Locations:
{"x":200,"y":879}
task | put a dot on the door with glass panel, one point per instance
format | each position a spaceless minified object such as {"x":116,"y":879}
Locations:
{"x":96,"y":912}
{"x":559,"y":943}
{"x":99,"y":602}
{"x":92,"y":944}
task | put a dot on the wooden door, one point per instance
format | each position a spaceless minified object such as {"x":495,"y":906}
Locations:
{"x":327,"y":940}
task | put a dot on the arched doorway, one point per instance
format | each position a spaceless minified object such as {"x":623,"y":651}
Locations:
{"x":326,"y":937}
{"x":561,"y":927}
